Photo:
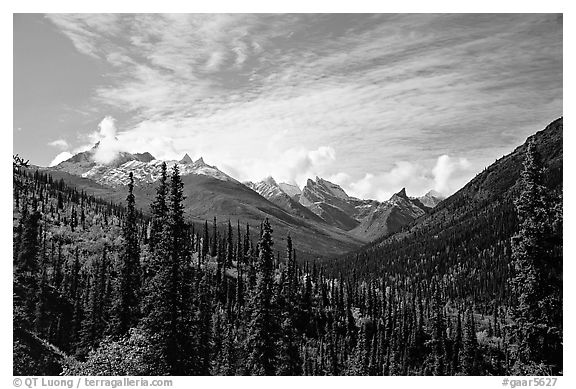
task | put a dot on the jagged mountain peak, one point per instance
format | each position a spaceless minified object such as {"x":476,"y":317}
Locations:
{"x":434,"y":193}
{"x":186,"y":159}
{"x":291,"y":190}
{"x":325,"y":187}
{"x":267,"y":188}
{"x":432,"y":198}
{"x":401,"y":193}
{"x":270,"y":181}
{"x":143,"y":165}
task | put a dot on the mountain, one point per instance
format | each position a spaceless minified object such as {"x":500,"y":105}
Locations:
{"x":84,"y":161}
{"x":291,"y":190}
{"x":431,"y":199}
{"x":390,"y":216}
{"x":472,"y":228}
{"x":330,"y":202}
{"x":209,"y":193}
{"x":368,"y":219}
{"x":186,"y":159}
{"x":323,"y":204}
{"x":270,"y":190}
{"x":145,"y":167}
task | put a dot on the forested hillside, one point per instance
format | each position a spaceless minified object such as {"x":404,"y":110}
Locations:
{"x":104,"y":289}
{"x":466,"y":245}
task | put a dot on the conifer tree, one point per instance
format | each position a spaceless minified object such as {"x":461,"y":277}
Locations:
{"x":159,"y":208}
{"x":229,"y":247}
{"x":439,"y":337}
{"x":205,"y":241}
{"x":536,"y":281}
{"x":469,"y":361}
{"x":126,"y":310}
{"x":289,"y":361}
{"x":27,"y":262}
{"x":168,"y":305}
{"x":214,"y":250}
{"x":261,"y":335}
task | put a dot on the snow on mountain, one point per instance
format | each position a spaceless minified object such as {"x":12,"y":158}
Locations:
{"x":361,"y":217}
{"x":144,"y":167}
{"x":431,"y":199}
{"x":291,"y":190}
{"x":186,"y":159}
{"x":272,"y":191}
{"x":267,"y":188}
{"x":406,"y":204}
{"x":149,"y":172}
{"x":332,"y":203}
{"x":320,"y":200}
{"x":389,"y":216}
{"x":322,"y":190}
{"x":334,"y":189}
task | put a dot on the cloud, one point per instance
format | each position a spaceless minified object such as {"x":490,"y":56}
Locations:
{"x":60,"y":143}
{"x":450,"y":174}
{"x":63,"y":156}
{"x":109,"y":146}
{"x":412,"y":176}
{"x":447,"y":176}
{"x":348,"y":96}
{"x":293,"y":166}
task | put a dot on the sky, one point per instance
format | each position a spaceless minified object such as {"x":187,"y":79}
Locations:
{"x":372,"y":102}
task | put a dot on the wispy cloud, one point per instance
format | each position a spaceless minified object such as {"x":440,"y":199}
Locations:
{"x":60,"y":143}
{"x":378,"y":97}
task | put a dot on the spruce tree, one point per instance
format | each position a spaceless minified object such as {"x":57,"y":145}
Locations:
{"x":205,"y":241}
{"x":126,"y":311}
{"x":159,"y":208}
{"x":260,"y":343}
{"x":469,"y":353}
{"x":229,"y":247}
{"x":289,"y":361}
{"x":168,"y":307}
{"x":214,"y":250}
{"x":537,"y":278}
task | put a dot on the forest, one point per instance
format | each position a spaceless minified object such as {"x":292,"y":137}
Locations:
{"x":109,"y":289}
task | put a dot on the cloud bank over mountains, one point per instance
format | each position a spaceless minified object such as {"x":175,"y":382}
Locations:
{"x":294,"y":165}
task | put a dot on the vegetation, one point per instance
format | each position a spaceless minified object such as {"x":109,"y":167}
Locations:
{"x":101,"y":289}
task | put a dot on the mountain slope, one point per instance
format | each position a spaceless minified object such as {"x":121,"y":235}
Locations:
{"x":367,"y":219}
{"x":331,"y":203}
{"x":291,"y":190}
{"x":470,"y":229}
{"x":390,"y":216}
{"x":431,"y":199}
{"x":270,"y":190}
{"x":207,"y":196}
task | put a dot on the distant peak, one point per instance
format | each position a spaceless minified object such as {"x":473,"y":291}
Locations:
{"x":270,"y":181}
{"x":200,"y":161}
{"x":144,"y":157}
{"x":434,"y":193}
{"x":402,"y":194}
{"x":186,"y":159}
{"x":290,"y":189}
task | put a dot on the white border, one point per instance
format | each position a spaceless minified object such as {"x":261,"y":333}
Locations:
{"x":301,"y":6}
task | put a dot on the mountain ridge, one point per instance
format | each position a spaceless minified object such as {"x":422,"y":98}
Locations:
{"x":320,"y":201}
